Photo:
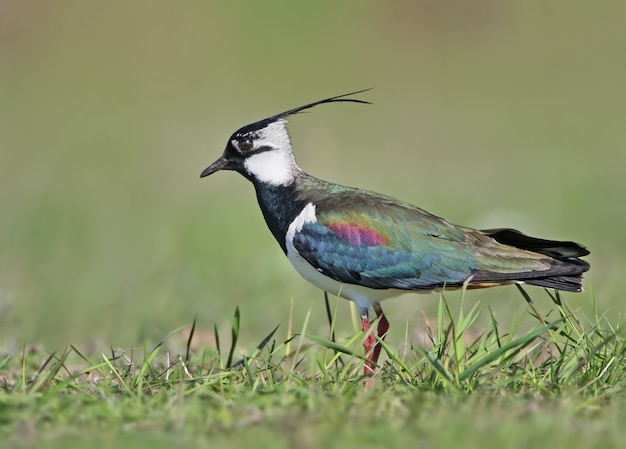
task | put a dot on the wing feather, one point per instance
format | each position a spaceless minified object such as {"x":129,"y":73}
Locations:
{"x":381,"y":245}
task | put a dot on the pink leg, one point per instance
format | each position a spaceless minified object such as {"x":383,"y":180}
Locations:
{"x":368,"y":344}
{"x":383,"y":327}
{"x":371,"y":342}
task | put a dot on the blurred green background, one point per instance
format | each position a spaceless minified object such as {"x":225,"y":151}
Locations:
{"x":488,"y":113}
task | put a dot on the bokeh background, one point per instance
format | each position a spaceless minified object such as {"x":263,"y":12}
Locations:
{"x":489,"y":113}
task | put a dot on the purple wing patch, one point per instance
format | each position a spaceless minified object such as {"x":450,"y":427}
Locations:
{"x":357,"y":236}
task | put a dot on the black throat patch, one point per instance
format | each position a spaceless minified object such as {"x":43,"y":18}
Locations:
{"x":280,"y":206}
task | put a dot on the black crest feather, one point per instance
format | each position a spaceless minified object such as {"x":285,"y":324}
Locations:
{"x":336,"y":99}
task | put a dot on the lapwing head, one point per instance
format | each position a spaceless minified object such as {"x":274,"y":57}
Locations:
{"x":261,"y":151}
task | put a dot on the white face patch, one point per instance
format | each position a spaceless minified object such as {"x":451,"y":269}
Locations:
{"x":275,"y":166}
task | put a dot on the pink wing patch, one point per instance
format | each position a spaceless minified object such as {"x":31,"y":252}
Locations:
{"x":357,"y":236}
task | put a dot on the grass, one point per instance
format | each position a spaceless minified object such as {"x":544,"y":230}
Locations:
{"x":563,"y":377}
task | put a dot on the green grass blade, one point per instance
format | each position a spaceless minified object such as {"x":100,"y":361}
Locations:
{"x":517,"y":343}
{"x":235,"y":335}
{"x":332,"y":345}
{"x":190,"y":338}
{"x":218,"y":349}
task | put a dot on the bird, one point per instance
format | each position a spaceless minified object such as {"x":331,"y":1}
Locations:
{"x":366,"y":247}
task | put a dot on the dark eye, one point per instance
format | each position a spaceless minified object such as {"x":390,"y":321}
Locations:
{"x":246,"y":145}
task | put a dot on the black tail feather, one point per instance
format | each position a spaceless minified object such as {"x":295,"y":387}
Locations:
{"x":566,"y":267}
{"x":564,"y":283}
{"x":556,"y":249}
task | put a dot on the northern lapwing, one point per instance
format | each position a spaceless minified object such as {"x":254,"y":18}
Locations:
{"x":366,"y":247}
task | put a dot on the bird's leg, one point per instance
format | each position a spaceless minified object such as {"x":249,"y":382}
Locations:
{"x":383,"y":327}
{"x":368,"y":344}
{"x":372,"y":346}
